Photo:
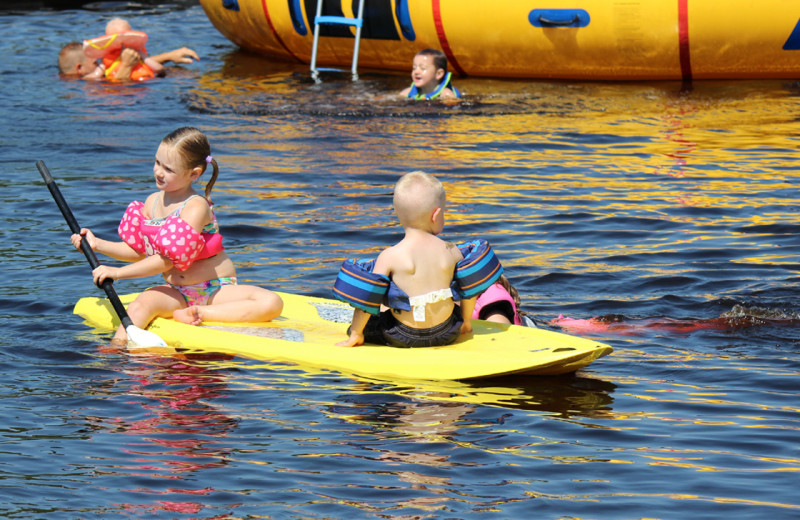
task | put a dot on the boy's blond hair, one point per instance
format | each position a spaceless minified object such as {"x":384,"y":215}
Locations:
{"x":416,"y":196}
{"x":117,"y":25}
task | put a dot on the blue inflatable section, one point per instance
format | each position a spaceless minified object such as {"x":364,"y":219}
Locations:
{"x":232,"y":5}
{"x":793,"y":43}
{"x":296,"y":13}
{"x":404,"y":18}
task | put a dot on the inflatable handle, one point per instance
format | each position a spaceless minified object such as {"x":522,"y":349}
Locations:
{"x":545,"y":21}
{"x":296,"y":14}
{"x":404,"y":18}
{"x":559,"y":18}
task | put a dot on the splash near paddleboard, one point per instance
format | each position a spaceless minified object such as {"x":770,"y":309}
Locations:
{"x":613,"y":324}
{"x":306,"y":333}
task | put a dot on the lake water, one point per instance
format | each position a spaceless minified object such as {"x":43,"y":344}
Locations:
{"x":647,"y":201}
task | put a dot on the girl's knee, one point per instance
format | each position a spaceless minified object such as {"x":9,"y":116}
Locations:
{"x":272,"y":305}
{"x":252,"y":303}
{"x":151,"y":304}
{"x":141,"y":313}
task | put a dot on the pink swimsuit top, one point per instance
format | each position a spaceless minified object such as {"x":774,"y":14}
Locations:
{"x":170,"y":236}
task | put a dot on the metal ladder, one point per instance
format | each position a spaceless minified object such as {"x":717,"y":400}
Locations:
{"x":356,"y":22}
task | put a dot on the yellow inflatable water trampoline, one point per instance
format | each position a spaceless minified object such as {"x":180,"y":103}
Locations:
{"x":581,"y":39}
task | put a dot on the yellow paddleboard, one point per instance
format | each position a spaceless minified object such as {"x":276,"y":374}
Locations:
{"x":307,"y":331}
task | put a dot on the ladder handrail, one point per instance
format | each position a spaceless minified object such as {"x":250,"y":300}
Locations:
{"x":357,"y":22}
{"x":357,"y":45}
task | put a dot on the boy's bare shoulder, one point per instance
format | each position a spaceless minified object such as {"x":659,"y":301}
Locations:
{"x":385,"y":261}
{"x":453,"y":249}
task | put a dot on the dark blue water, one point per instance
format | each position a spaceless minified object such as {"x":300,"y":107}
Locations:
{"x":644,"y":201}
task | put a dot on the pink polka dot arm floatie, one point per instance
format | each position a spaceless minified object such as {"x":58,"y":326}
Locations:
{"x":130,"y":227}
{"x":179,"y":241}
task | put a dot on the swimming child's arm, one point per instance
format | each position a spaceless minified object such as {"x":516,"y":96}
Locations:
{"x":356,"y":329}
{"x":182,"y":55}
{"x":155,"y":66}
{"x":98,"y":73}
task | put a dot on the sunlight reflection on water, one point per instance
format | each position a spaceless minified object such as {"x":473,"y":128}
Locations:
{"x":657,"y":205}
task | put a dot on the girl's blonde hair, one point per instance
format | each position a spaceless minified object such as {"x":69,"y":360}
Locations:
{"x":192,"y":145}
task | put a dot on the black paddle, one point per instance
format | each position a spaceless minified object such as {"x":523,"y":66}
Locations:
{"x":137,"y":335}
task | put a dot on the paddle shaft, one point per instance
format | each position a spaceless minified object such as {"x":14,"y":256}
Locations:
{"x":107,"y":284}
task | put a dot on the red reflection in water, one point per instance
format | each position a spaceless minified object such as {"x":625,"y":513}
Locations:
{"x":614,"y":324}
{"x":180,"y":434}
{"x":675,"y":133}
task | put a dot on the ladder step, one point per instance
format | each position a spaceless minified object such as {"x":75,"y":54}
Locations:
{"x":338,"y":20}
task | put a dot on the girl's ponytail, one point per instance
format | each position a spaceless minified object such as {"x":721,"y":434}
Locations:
{"x":215,"y":172}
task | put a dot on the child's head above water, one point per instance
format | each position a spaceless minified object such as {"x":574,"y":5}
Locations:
{"x":117,"y":25}
{"x":416,"y":196}
{"x":428,"y":69}
{"x":437,"y":58}
{"x":73,"y":62}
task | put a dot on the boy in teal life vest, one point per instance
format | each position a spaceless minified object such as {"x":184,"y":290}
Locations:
{"x":407,"y":296}
{"x":430,"y":77}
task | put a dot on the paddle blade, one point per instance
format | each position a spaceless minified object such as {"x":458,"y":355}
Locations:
{"x":144,"y":338}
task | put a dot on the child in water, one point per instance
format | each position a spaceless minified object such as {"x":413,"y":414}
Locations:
{"x":415,"y":278}
{"x":145,"y":68}
{"x":501,"y":303}
{"x":121,"y":64}
{"x":175,"y":233}
{"x":430,"y":77}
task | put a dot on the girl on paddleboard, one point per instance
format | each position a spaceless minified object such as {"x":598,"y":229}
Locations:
{"x":175,"y":233}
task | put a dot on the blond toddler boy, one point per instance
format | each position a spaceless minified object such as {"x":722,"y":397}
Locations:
{"x":415,"y":282}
